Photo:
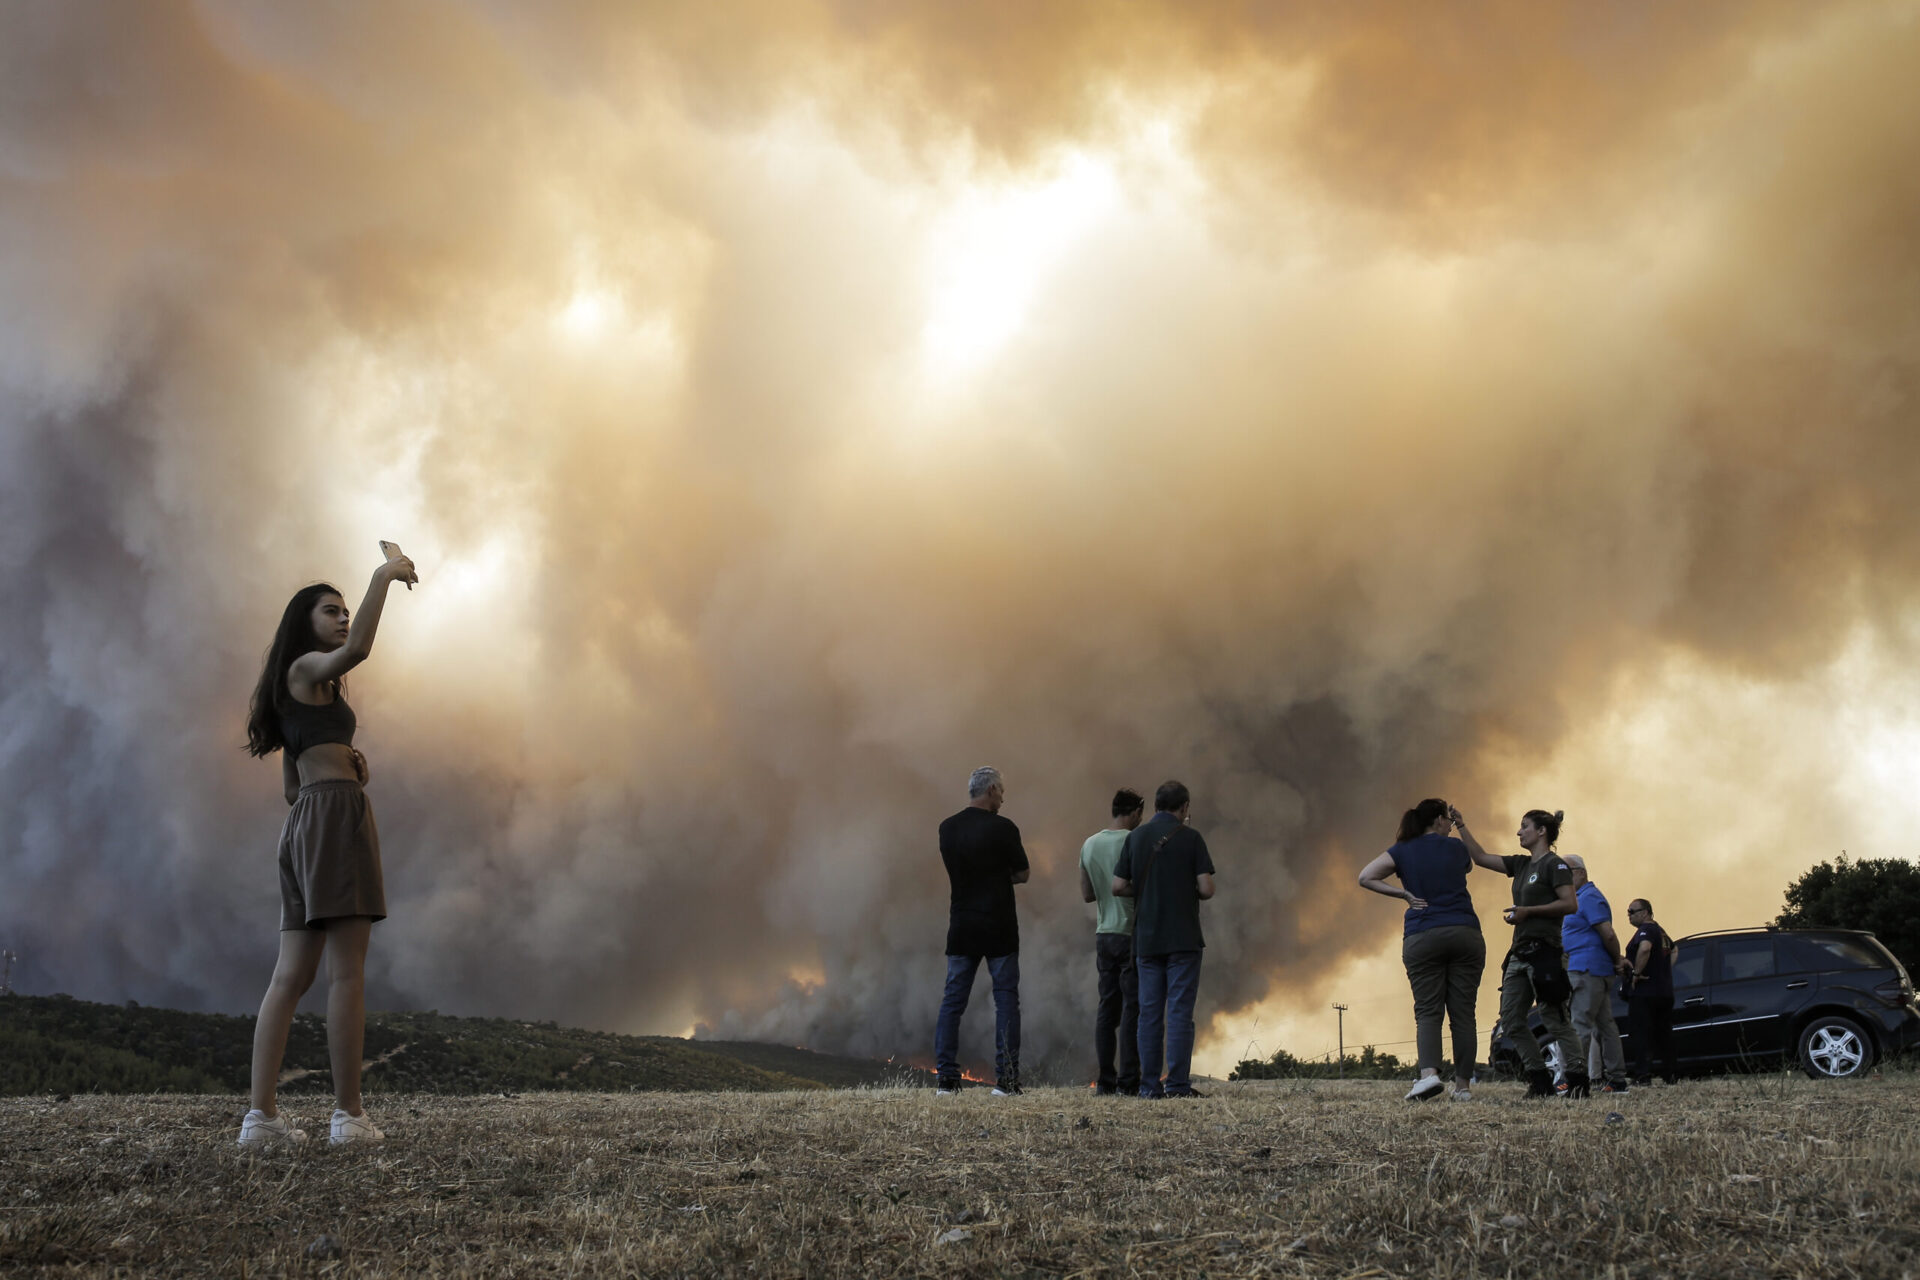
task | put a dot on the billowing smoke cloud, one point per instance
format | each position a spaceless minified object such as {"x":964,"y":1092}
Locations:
{"x":792,"y":408}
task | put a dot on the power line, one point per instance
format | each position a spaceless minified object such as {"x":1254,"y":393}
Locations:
{"x":1327,"y":1054}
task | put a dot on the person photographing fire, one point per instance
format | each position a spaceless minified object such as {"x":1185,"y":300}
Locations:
{"x":331,"y":890}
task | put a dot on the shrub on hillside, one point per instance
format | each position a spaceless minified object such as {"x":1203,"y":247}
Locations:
{"x":1369,"y":1065}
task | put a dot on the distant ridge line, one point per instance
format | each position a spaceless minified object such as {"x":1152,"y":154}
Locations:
{"x":57,"y":1044}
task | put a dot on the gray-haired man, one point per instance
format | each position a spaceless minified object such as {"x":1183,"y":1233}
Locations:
{"x":1593,"y":958}
{"x":984,"y":860}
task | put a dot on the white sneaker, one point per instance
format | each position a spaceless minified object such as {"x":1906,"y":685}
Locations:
{"x":1462,"y":1095}
{"x":257,"y":1130}
{"x":1425,"y":1089}
{"x":348,"y":1129}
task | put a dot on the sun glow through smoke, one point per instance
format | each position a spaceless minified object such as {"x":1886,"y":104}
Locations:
{"x":587,"y":314}
{"x":989,"y":255}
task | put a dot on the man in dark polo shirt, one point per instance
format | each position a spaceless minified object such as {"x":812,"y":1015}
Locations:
{"x":1166,"y":869}
{"x":1535,"y":972}
{"x":984,"y":860}
{"x":1650,"y":998}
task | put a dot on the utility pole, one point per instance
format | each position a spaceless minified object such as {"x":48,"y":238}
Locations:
{"x":1341,"y":1014}
{"x":7,"y":957}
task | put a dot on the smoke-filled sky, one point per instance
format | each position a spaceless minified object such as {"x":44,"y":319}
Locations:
{"x":793,"y":406}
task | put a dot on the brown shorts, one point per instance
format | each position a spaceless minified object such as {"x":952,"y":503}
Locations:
{"x":330,"y":857}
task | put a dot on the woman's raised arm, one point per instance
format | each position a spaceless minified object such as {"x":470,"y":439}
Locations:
{"x":319,"y":668}
{"x":1480,"y":856}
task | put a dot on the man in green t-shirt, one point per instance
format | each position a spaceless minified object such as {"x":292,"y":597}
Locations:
{"x":1119,"y":1009}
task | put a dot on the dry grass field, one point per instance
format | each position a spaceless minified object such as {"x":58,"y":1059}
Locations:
{"x":1755,"y":1176}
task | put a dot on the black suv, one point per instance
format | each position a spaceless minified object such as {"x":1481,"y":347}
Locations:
{"x":1834,"y":999}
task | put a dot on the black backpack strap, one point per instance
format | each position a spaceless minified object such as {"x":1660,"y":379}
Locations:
{"x":1152,"y":853}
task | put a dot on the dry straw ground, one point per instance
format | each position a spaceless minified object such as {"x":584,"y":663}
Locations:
{"x":1754,"y":1176}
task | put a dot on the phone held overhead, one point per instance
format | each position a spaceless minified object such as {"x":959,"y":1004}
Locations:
{"x":391,"y":550}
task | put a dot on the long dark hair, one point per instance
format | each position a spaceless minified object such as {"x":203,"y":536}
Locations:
{"x":1415,"y":821}
{"x":271,"y":697}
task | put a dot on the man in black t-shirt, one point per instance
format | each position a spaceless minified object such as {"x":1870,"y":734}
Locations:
{"x":984,"y":860}
{"x":1166,"y":869}
{"x":1650,"y":995}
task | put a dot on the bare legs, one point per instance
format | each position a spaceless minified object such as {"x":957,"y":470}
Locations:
{"x":347,"y":1006}
{"x":344,"y":942}
{"x":292,"y":975}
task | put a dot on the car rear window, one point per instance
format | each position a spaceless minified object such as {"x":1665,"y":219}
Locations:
{"x":1749,"y":957}
{"x":1815,"y":953}
{"x":1690,"y":966}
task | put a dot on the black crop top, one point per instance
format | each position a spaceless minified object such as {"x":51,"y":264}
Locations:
{"x":306,"y":726}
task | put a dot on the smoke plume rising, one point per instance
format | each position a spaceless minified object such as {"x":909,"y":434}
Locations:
{"x":793,"y":406}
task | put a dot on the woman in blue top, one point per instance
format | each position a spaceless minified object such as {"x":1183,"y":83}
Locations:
{"x":1442,"y":949}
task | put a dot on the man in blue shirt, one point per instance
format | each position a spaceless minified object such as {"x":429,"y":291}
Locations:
{"x":1593,"y":958}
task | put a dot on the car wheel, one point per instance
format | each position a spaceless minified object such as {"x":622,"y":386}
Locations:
{"x":1835,"y":1048}
{"x":1554,"y":1064}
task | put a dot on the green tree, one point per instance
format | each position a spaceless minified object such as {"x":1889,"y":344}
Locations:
{"x":1370,"y":1065}
{"x":1878,"y":894}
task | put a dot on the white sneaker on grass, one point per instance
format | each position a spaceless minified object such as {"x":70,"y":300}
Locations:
{"x":1462,"y":1095}
{"x":259,"y":1130}
{"x":347,"y":1129}
{"x":1425,"y":1089}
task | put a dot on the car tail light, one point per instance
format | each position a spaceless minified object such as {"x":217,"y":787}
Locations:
{"x":1895,"y":992}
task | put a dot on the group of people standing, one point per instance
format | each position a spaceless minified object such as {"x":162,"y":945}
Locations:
{"x":1564,"y":959}
{"x":1147,"y":878}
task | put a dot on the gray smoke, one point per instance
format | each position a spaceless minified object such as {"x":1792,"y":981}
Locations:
{"x":1409,"y":389}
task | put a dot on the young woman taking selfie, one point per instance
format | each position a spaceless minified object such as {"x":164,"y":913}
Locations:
{"x":330,"y":885}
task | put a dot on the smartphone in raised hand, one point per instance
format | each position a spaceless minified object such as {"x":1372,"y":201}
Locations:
{"x":392,"y":549}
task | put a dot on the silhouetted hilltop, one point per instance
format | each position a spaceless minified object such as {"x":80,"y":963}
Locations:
{"x":56,"y":1044}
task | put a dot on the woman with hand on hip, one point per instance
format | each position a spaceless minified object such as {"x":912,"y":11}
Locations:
{"x":1442,"y":948}
{"x":330,"y":884}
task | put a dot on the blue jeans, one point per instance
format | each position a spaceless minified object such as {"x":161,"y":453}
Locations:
{"x":1005,"y":972}
{"x":1168,"y":985}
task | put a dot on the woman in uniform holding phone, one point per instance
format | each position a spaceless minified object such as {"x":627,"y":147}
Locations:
{"x":330,"y":884}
